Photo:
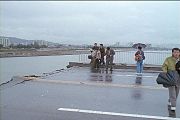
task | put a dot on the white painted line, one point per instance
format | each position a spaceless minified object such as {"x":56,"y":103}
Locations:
{"x":136,"y":76}
{"x":117,"y":114}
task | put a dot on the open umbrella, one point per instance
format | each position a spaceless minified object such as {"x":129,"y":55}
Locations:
{"x":139,"y":44}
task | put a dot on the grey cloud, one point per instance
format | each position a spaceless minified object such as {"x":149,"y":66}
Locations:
{"x":90,"y":21}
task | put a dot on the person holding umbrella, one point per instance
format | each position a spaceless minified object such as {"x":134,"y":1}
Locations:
{"x":139,"y":57}
{"x":171,"y":64}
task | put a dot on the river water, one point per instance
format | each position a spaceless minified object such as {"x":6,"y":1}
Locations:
{"x":32,"y":65}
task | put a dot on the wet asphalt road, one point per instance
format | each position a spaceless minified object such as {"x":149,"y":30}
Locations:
{"x":41,"y":100}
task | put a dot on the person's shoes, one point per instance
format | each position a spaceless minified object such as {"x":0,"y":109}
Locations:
{"x":172,"y":114}
{"x":173,"y":108}
{"x":139,"y":74}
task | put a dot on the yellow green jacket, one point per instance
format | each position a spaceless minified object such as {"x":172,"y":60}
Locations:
{"x":169,"y":64}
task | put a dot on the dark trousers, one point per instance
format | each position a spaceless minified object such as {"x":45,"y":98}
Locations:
{"x":173,"y":94}
{"x":109,"y":62}
{"x":102,"y":60}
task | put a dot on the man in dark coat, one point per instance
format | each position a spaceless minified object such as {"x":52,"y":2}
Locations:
{"x":109,"y":57}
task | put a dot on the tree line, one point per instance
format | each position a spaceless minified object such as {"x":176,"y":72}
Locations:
{"x":29,"y":46}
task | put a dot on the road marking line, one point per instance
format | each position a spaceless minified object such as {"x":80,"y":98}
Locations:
{"x":136,"y":76}
{"x":117,"y":114}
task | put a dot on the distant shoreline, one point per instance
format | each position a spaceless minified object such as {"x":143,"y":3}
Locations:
{"x":43,"y":52}
{"x":49,"y":52}
{"x":33,"y":53}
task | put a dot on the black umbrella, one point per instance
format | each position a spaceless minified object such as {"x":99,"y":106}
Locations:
{"x":139,"y":44}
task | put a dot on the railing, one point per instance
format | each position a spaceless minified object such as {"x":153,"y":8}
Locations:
{"x":127,"y":57}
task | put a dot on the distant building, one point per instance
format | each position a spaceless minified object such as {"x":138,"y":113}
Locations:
{"x":4,"y":41}
{"x":40,"y":42}
{"x":130,"y":44}
{"x":148,"y":45}
{"x":117,"y":44}
{"x":120,"y":44}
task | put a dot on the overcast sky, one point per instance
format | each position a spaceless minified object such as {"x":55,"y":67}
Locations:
{"x":88,"y":22}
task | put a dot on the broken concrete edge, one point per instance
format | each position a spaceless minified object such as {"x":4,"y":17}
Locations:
{"x":118,"y":66}
{"x":18,"y":80}
{"x":24,"y":78}
{"x":32,"y":77}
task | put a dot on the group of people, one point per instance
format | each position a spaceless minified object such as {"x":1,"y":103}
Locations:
{"x":99,"y":54}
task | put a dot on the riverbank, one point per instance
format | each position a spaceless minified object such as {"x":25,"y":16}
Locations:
{"x":46,"y":52}
{"x":4,"y":53}
{"x":41,"y":52}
